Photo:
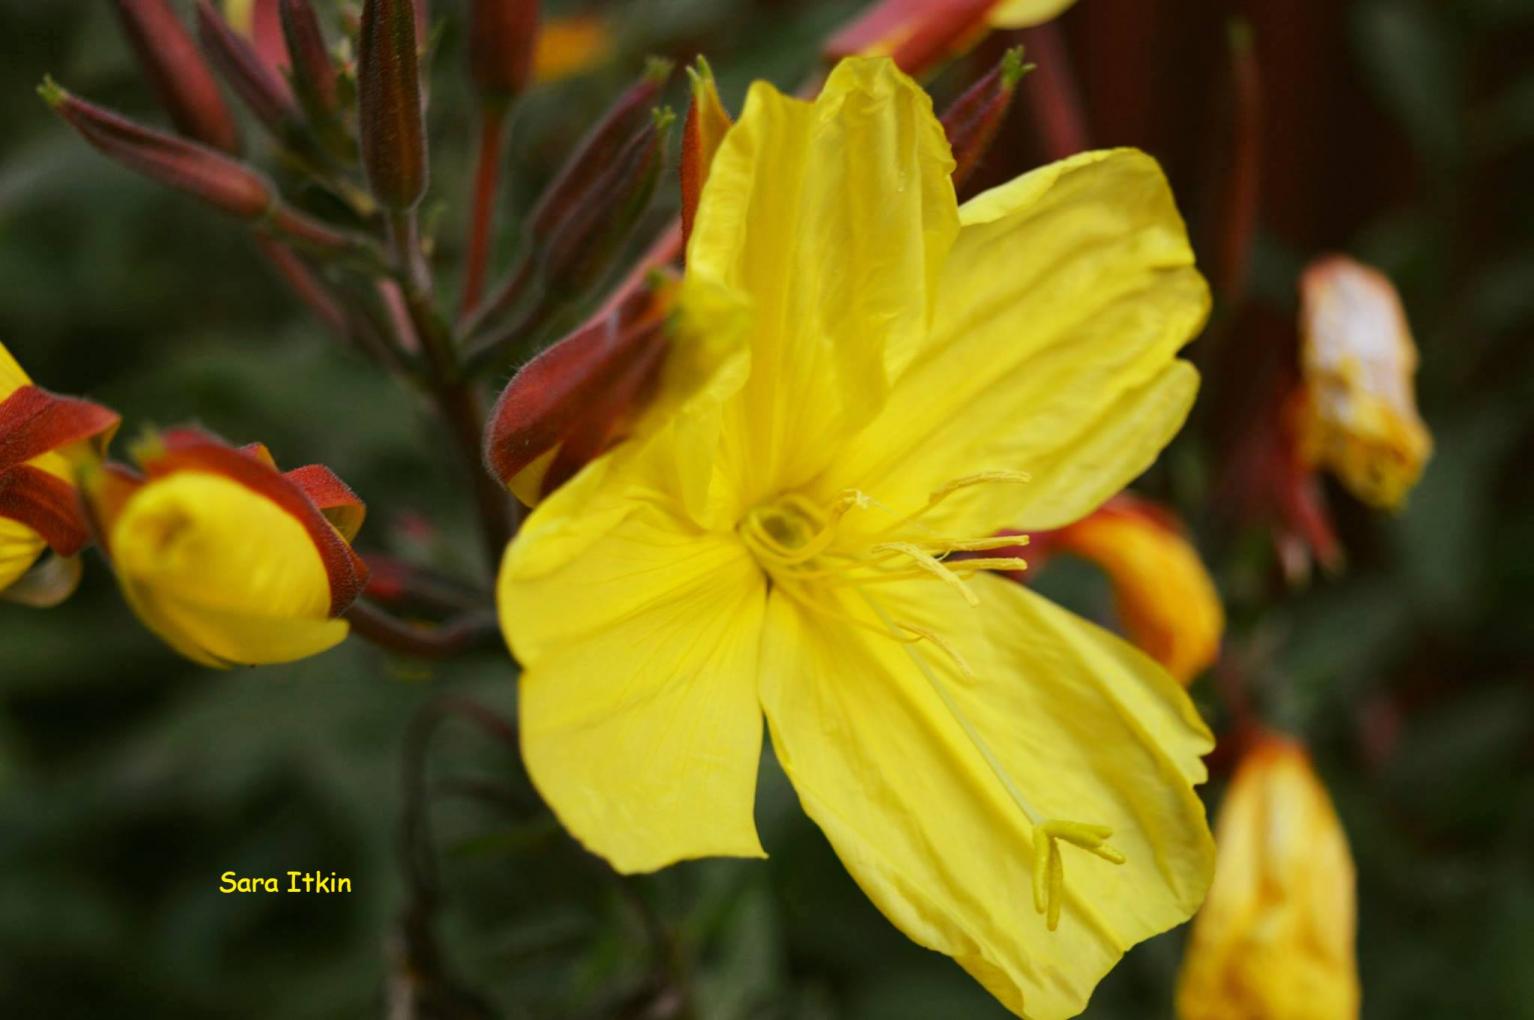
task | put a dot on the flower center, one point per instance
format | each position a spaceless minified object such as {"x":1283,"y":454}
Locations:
{"x":799,"y":545}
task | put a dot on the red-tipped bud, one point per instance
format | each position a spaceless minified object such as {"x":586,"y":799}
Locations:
{"x":260,"y":87}
{"x":260,"y":22}
{"x":917,"y":34}
{"x":973,"y":119}
{"x":314,"y":72}
{"x":577,"y":398}
{"x":584,"y":245}
{"x":702,"y":134}
{"x":389,"y":103}
{"x":216,"y":178}
{"x":629,"y":116}
{"x":180,"y":76}
{"x":503,"y":37}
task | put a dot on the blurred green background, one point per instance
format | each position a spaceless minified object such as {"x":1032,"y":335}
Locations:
{"x":1399,"y":130}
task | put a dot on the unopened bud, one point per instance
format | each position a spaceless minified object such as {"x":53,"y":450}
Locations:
{"x":313,"y":72}
{"x":973,"y":119}
{"x":180,"y":76}
{"x":630,"y":115}
{"x":503,"y":36}
{"x":256,"y":83}
{"x":702,"y":134}
{"x":584,"y":244}
{"x":258,"y":21}
{"x":216,"y":178}
{"x":917,"y":36}
{"x":577,"y":397}
{"x":389,"y":103}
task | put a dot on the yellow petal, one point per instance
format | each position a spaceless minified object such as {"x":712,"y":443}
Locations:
{"x":1275,"y":937}
{"x":638,"y":709}
{"x":1027,"y":13}
{"x":1061,"y":308}
{"x":20,"y":547}
{"x":832,"y":219}
{"x":12,"y":377}
{"x":923,"y":777}
{"x":221,"y":574}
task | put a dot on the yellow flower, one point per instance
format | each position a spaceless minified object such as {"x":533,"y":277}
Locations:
{"x":1359,"y":417}
{"x":896,"y":379}
{"x":1274,"y":940}
{"x":1166,"y":600}
{"x":227,"y":560}
{"x":38,"y":507}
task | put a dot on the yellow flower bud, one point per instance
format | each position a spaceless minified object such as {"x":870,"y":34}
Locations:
{"x":1360,"y":414}
{"x":1166,"y":600}
{"x":228,"y":561}
{"x":1274,"y":940}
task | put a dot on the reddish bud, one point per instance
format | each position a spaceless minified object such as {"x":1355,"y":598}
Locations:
{"x":973,"y":119}
{"x":629,"y":116}
{"x":917,"y":34}
{"x":575,"y":399}
{"x":389,"y":103}
{"x":702,"y":133}
{"x":314,"y":73}
{"x":256,"y":83}
{"x":503,"y":36}
{"x":180,"y":76}
{"x":219,"y":180}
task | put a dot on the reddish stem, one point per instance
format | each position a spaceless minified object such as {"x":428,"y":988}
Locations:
{"x":492,"y":132}
{"x":467,"y":633}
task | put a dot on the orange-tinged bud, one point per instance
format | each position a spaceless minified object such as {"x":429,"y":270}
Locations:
{"x":920,"y":34}
{"x":180,"y":76}
{"x":225,"y":558}
{"x":1359,"y":364}
{"x":258,"y":84}
{"x":569,"y":45}
{"x":216,"y":178}
{"x":972,"y":121}
{"x":39,"y":433}
{"x":390,"y":118}
{"x":577,"y":398}
{"x":1274,"y":939}
{"x":702,"y":134}
{"x":1165,"y":599}
{"x":503,"y":37}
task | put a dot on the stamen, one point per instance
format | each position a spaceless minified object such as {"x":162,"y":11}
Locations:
{"x":932,"y":565}
{"x":1049,"y":868}
{"x":942,"y":645}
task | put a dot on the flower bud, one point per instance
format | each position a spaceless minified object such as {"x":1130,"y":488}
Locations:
{"x":226,"y":559}
{"x":702,"y":134}
{"x":503,"y":37}
{"x":389,"y":104}
{"x":1274,"y":938}
{"x":572,"y":186}
{"x":314,"y":72}
{"x":257,"y":83}
{"x":920,"y":34}
{"x":38,"y":509}
{"x":222,"y":182}
{"x":575,"y":399}
{"x":1359,"y":365}
{"x":180,"y":76}
{"x":260,"y":22}
{"x":973,"y":119}
{"x":1164,"y":597}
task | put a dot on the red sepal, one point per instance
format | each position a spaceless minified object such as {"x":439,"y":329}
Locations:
{"x":46,"y":504}
{"x":332,"y":497}
{"x":190,"y":449}
{"x":916,"y":34}
{"x":578,"y":391}
{"x":34,"y":422}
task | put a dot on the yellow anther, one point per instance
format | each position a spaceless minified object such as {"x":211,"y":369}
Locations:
{"x":970,"y":481}
{"x":947,"y":649}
